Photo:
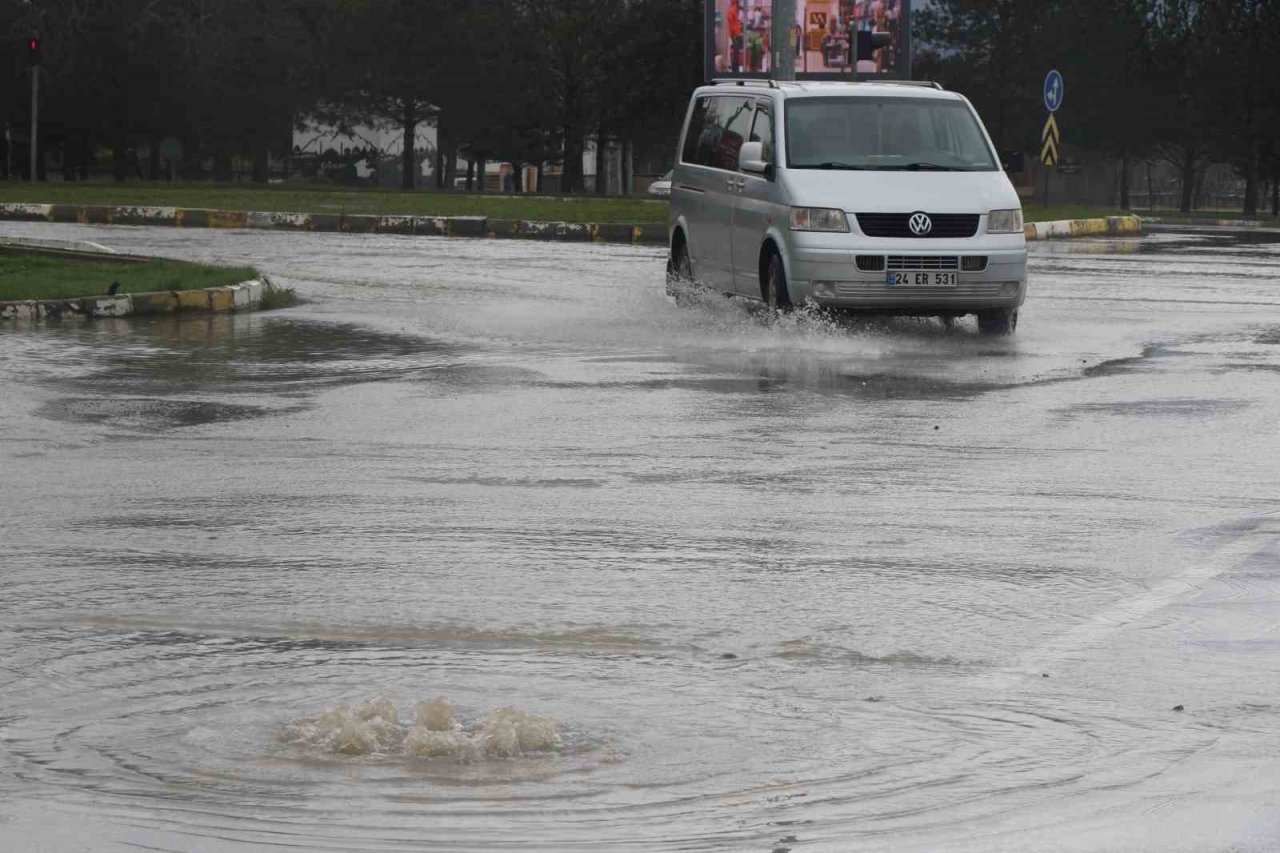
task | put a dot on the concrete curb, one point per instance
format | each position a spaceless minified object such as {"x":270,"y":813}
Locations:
{"x":210,"y":300}
{"x":430,"y":226}
{"x":1107,"y":226}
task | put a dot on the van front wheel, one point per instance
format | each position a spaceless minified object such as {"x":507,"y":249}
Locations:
{"x":998,"y":321}
{"x":775,"y":284}
{"x":680,"y":274}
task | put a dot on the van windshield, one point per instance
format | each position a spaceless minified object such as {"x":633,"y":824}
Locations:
{"x":885,"y":134}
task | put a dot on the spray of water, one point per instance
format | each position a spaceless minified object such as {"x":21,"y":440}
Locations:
{"x":374,"y":728}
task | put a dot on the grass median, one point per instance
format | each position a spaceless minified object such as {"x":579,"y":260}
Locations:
{"x":41,"y":277}
{"x":299,"y":198}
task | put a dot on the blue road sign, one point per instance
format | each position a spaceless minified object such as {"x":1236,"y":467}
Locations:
{"x":1052,"y":90}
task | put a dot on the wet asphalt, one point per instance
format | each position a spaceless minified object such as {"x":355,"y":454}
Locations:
{"x":781,"y":583}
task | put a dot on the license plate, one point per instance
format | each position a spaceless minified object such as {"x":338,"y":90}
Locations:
{"x":922,"y":279}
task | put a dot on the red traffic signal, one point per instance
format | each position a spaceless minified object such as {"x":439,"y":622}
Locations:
{"x":33,"y":51}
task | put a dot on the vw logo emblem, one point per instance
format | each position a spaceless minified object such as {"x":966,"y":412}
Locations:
{"x":920,"y":224}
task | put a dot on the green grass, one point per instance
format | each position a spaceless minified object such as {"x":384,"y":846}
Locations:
{"x":293,"y":198}
{"x":33,"y":276}
{"x":278,"y":297}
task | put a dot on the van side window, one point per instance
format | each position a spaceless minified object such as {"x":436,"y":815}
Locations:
{"x":697,"y":125}
{"x":734,"y":118}
{"x":717,"y":128}
{"x":762,"y":131}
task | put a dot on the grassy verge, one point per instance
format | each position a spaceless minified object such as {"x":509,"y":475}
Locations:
{"x":302,"y":199}
{"x":44,"y":277}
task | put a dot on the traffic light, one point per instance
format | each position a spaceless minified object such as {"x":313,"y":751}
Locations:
{"x":868,"y":43}
{"x":33,"y":51}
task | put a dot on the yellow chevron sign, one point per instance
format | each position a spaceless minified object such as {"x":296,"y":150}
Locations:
{"x":1050,"y":138}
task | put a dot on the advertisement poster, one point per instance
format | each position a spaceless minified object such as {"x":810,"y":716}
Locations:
{"x":740,"y":37}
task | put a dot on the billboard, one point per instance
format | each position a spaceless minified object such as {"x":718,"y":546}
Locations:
{"x":740,"y":36}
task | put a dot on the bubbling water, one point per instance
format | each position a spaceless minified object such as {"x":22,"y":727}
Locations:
{"x":374,"y":728}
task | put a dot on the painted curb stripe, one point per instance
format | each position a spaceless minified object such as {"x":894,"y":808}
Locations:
{"x":1109,"y":226}
{"x":235,"y":297}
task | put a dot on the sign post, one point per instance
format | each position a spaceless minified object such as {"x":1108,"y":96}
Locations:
{"x":33,"y":59}
{"x":1050,"y":136}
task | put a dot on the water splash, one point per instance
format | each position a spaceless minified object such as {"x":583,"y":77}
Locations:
{"x":374,"y":728}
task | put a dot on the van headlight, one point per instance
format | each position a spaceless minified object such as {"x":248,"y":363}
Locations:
{"x":818,"y":219}
{"x":1004,"y":221}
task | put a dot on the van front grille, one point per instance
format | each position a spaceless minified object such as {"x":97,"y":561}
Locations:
{"x":923,"y":262}
{"x":896,"y":225}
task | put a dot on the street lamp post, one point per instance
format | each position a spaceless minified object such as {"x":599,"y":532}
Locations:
{"x":784,"y":54}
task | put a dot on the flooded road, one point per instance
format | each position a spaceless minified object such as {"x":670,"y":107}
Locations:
{"x":742,"y":582}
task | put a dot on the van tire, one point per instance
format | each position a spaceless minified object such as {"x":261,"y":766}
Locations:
{"x":998,"y":321}
{"x":775,"y":284}
{"x":679,"y":273}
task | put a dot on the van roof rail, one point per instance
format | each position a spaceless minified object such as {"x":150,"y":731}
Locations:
{"x":774,"y":84}
{"x":744,"y":81}
{"x":927,"y":84}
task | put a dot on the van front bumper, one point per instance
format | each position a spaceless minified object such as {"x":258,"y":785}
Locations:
{"x":830,"y":277}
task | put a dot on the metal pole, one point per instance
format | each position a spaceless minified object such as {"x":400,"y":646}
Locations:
{"x":784,"y":54}
{"x":35,"y":116}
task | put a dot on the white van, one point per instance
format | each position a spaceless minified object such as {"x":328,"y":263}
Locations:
{"x":884,"y":196}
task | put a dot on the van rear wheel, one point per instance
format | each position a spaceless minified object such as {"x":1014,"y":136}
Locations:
{"x":775,"y":284}
{"x":998,"y":321}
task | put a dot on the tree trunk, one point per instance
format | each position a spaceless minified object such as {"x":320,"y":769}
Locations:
{"x":261,"y":163}
{"x":628,"y":167}
{"x":119,"y":143}
{"x":537,"y":179}
{"x":1275,"y":196}
{"x":442,"y":143}
{"x":153,"y":158}
{"x":602,"y":163}
{"x":1187,"y":174}
{"x":517,"y":176}
{"x":471,"y":172}
{"x":451,"y":166}
{"x":1124,"y":182}
{"x":1151,"y":192}
{"x":1251,"y":182}
{"x":482,"y":169}
{"x":286,"y":162}
{"x":222,"y":169}
{"x":572,"y":180}
{"x":409,"y":121}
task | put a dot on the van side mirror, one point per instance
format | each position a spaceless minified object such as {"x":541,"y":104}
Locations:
{"x":751,"y":158}
{"x":1013,"y":162}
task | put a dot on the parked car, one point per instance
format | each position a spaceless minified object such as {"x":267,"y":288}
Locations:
{"x":880,"y":196}
{"x":662,"y":186}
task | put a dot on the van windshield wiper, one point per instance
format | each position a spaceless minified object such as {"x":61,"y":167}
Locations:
{"x":923,"y":167}
{"x":831,"y":164}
